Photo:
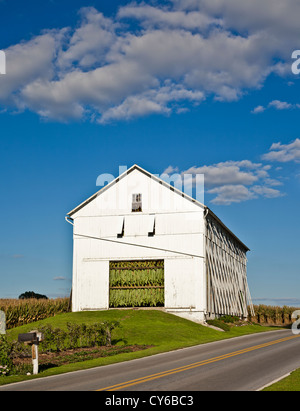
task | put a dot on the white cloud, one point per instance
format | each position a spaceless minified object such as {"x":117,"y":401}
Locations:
{"x":230,"y":173}
{"x":173,"y":56}
{"x":27,"y":62}
{"x":284,"y":152}
{"x":273,"y":182}
{"x":280,"y":105}
{"x":160,"y":100}
{"x":229,"y":194}
{"x":88,"y":43}
{"x":276,"y":19}
{"x":171,"y":170}
{"x":277,"y":104}
{"x":258,"y":109}
{"x":233,"y":181}
{"x":133,"y":107}
{"x":150,"y":16}
{"x":267,"y":192}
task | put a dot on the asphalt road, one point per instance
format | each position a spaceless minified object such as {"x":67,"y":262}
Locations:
{"x":245,"y":363}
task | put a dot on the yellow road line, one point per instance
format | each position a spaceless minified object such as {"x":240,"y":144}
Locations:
{"x":193,"y":365}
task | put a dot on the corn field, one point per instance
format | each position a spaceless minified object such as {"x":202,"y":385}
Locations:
{"x":272,"y":315}
{"x":20,"y":312}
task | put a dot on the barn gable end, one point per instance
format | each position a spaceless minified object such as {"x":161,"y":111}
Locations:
{"x":116,"y":197}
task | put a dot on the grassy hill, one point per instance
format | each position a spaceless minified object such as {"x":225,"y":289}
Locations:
{"x":158,"y":329}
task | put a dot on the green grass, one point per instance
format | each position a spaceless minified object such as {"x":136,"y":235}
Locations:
{"x":290,"y":383}
{"x":144,"y":327}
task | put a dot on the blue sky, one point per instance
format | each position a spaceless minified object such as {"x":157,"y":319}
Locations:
{"x":201,"y":86}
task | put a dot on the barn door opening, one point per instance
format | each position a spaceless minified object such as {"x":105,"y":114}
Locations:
{"x":136,"y":283}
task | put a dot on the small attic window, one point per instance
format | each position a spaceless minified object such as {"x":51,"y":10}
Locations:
{"x":136,"y":202}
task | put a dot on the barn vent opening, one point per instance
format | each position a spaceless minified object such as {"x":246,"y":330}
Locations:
{"x":136,"y":283}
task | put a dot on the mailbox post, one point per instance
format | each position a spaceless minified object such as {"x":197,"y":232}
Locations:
{"x":32,"y":338}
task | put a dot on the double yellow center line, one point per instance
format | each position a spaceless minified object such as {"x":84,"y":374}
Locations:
{"x":193,"y":365}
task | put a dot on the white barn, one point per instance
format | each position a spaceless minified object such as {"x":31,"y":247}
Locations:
{"x":141,"y":242}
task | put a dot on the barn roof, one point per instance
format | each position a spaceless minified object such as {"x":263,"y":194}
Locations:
{"x":147,"y":173}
